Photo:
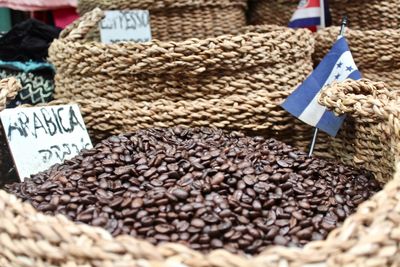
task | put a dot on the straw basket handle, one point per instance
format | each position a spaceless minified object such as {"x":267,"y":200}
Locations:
{"x":361,"y":99}
{"x":377,"y":112}
{"x":82,"y":26}
{"x":9,"y":89}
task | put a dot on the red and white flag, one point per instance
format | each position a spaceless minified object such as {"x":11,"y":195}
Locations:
{"x":311,"y":14}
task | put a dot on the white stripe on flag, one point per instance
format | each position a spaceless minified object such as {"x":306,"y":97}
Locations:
{"x":314,"y":111}
{"x":306,"y":13}
{"x":322,"y":8}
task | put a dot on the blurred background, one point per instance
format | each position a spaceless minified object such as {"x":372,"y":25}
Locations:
{"x":56,"y":12}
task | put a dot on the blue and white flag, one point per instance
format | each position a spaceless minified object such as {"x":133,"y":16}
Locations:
{"x":337,"y":65}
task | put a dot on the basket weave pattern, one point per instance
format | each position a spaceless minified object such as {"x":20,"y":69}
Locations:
{"x":370,"y":237}
{"x":367,"y":15}
{"x":179,"y":20}
{"x":273,"y":12}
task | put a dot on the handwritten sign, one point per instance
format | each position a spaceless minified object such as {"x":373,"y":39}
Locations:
{"x":40,"y":137}
{"x":125,"y":26}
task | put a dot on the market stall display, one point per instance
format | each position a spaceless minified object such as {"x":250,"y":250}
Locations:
{"x":173,"y":20}
{"x":372,"y":111}
{"x":199,"y":159}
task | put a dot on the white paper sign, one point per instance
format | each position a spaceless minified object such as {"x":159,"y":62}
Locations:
{"x":40,"y":137}
{"x":125,"y":26}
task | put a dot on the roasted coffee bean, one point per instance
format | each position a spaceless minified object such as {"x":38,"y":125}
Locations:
{"x":216,"y":243}
{"x":164,"y":228}
{"x":180,"y":193}
{"x":282,"y":163}
{"x":276,"y":177}
{"x":340,"y":213}
{"x":198,"y":223}
{"x":201,"y":187}
{"x":249,"y":180}
{"x":64,"y":199}
{"x":217,"y":178}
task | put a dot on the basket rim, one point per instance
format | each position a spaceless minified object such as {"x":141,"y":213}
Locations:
{"x":158,"y":5}
{"x":173,"y":56}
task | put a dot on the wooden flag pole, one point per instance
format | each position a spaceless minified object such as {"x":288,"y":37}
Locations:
{"x":314,"y":139}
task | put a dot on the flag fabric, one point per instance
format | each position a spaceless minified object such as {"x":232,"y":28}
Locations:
{"x":337,"y":65}
{"x":311,"y":14}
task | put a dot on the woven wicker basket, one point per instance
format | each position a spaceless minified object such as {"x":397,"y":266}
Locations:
{"x":273,"y":12}
{"x":365,"y":15}
{"x":233,"y":80}
{"x":375,"y":52}
{"x":181,"y":19}
{"x":370,"y":237}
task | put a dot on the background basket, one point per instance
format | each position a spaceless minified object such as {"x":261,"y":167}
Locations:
{"x":365,"y":15}
{"x":230,"y":81}
{"x":370,"y":237}
{"x":272,"y":12}
{"x":182,"y":19}
{"x":375,"y":52}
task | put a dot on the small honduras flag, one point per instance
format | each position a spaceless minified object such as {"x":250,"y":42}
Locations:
{"x":337,"y":65}
{"x":312,"y":14}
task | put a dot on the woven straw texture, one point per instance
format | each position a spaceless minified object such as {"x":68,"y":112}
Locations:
{"x":365,"y":15}
{"x":231,"y":81}
{"x":375,"y":52}
{"x":173,"y":20}
{"x":370,"y":237}
{"x":274,"y":12}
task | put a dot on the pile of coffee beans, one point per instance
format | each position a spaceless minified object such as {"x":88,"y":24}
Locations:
{"x":203,"y":188}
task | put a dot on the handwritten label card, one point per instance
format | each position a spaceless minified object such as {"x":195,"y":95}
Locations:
{"x":40,"y":137}
{"x":125,"y":26}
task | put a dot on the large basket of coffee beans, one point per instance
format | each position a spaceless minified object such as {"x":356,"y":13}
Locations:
{"x":365,"y":15}
{"x":230,"y":81}
{"x":376,"y":52}
{"x":173,"y":20}
{"x":206,"y":197}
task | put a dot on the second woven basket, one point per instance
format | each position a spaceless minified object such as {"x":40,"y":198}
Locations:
{"x":182,"y":19}
{"x":234,"y":80}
